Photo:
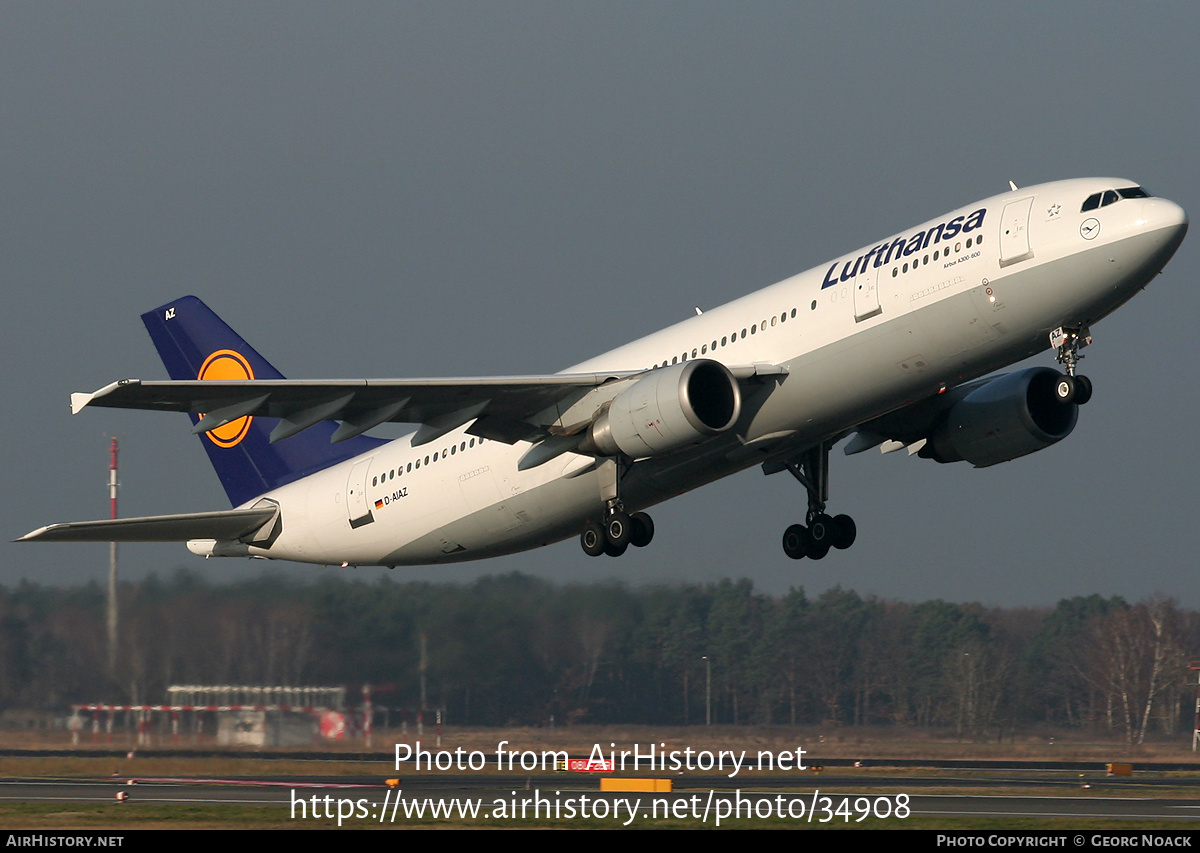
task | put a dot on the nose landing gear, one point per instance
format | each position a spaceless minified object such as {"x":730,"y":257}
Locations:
{"x":1067,"y":341}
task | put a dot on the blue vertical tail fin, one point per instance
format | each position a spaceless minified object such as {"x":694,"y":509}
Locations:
{"x":194,"y":343}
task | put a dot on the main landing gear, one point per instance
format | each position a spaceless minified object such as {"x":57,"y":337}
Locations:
{"x":619,"y":529}
{"x":822,"y":531}
{"x":1067,"y":341}
{"x":618,"y":532}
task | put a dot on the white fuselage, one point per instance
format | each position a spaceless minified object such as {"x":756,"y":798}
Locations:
{"x":860,"y":336}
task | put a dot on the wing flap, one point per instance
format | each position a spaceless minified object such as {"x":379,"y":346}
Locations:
{"x":230,"y":524}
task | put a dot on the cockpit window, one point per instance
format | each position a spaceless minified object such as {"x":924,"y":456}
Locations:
{"x":1109,"y":196}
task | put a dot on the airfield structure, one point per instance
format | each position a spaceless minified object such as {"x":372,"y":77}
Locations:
{"x":249,"y":715}
{"x":1194,"y":678}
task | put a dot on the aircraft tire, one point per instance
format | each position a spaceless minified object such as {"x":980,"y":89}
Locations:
{"x":821,"y":533}
{"x":592,"y":539}
{"x":1083,"y":390}
{"x":618,"y":529}
{"x":845,"y":531}
{"x":1065,"y":389}
{"x":641,"y":530}
{"x":795,"y":541}
{"x":614,"y":550}
{"x":818,"y":552}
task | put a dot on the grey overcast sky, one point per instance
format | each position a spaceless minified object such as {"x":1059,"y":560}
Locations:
{"x":425,"y":189}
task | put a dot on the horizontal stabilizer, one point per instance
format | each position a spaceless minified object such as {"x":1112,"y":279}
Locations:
{"x":223,"y":524}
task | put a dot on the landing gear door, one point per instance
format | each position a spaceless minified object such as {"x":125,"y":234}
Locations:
{"x":357,"y":509}
{"x":1014,"y":232}
{"x":866,"y":294}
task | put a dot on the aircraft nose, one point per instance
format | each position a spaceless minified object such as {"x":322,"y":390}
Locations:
{"x":1165,"y":214}
{"x":1164,"y":224}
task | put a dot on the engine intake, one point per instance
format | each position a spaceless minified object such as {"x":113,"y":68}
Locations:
{"x":1009,"y":417}
{"x":670,"y":408}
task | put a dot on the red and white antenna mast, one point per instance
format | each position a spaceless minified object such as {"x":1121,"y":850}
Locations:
{"x":112,"y":476}
{"x":112,"y":561}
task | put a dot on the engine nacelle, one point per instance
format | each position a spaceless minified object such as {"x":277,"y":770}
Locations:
{"x":1008,"y":417}
{"x":670,"y":408}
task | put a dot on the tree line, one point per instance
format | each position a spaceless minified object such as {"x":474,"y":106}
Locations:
{"x":513,"y":649}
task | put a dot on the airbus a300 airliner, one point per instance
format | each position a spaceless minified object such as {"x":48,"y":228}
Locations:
{"x":891,"y":345}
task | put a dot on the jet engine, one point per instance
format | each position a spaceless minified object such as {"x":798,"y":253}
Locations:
{"x":1009,"y":417}
{"x":667,"y":409}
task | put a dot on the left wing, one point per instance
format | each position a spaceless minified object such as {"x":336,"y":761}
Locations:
{"x":504,"y":408}
{"x":552,"y":412}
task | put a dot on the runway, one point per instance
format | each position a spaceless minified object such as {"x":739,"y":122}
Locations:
{"x":840,"y":799}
